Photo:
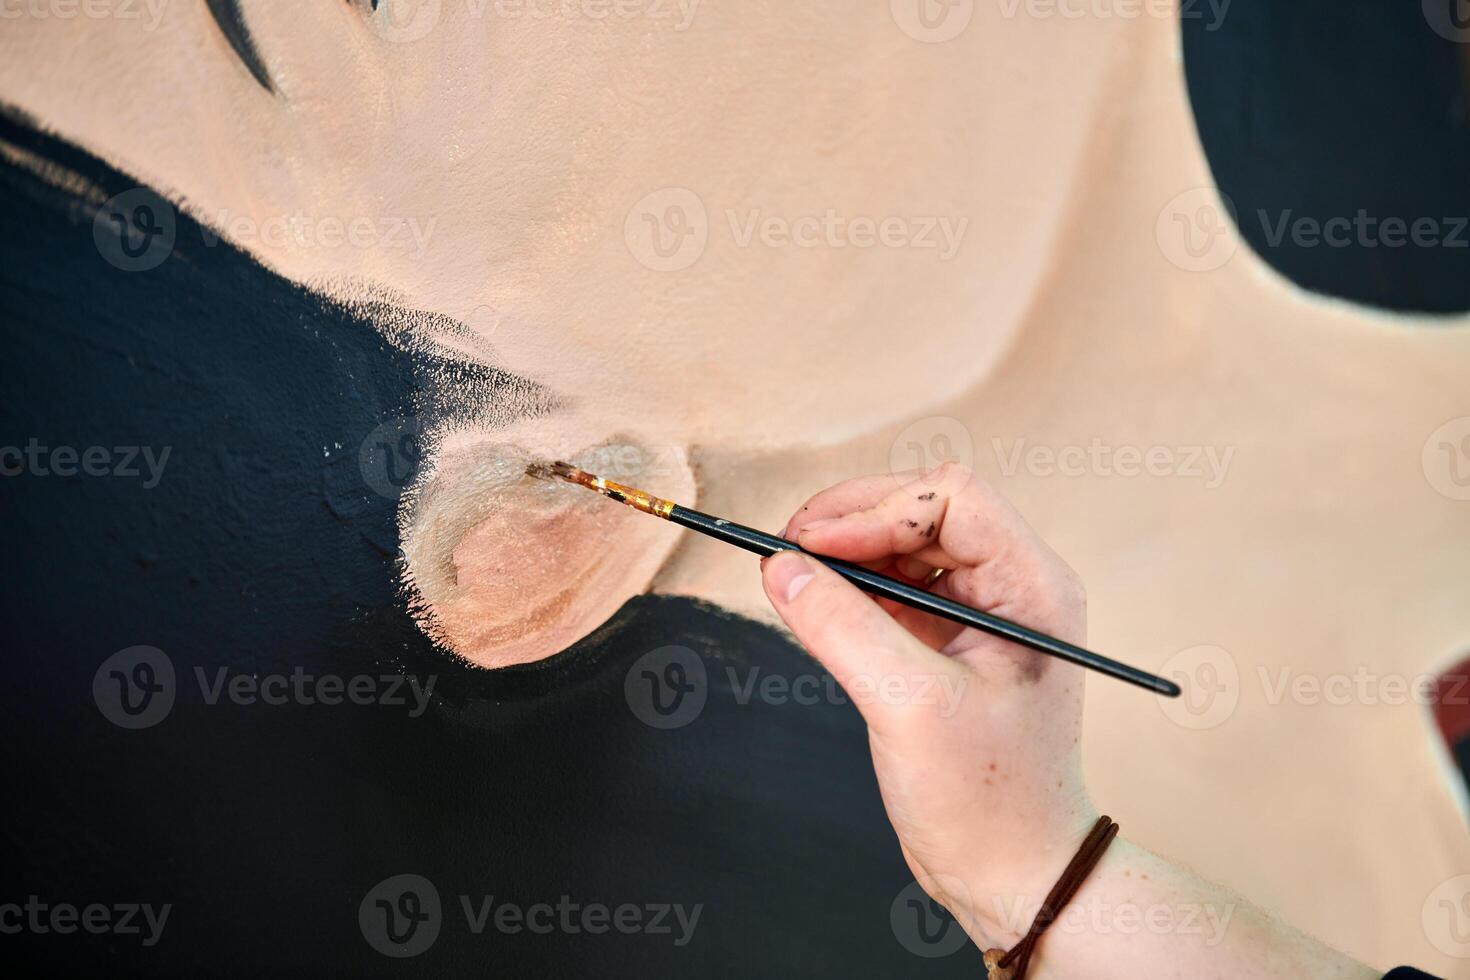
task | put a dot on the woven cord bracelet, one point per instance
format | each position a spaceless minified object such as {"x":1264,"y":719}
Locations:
{"x":1001,"y":965}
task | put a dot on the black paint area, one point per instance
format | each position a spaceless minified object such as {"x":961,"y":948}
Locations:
{"x":1314,"y":111}
{"x":266,"y":547}
{"x":231,"y":20}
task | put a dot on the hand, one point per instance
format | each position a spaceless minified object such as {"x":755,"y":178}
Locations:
{"x":975,"y":740}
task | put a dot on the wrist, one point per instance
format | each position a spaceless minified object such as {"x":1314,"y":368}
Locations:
{"x":1006,"y":896}
{"x":1138,"y":915}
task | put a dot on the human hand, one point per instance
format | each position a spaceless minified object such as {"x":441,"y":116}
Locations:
{"x":975,"y":740}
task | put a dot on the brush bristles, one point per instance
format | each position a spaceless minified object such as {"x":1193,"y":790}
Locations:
{"x":557,"y":471}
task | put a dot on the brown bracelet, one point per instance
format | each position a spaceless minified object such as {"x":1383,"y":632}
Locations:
{"x":1000,"y":965}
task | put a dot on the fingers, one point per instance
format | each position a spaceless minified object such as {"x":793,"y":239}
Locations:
{"x":916,"y":569}
{"x":996,"y":562}
{"x":954,"y":520}
{"x":900,"y":524}
{"x":883,"y":668}
{"x":843,"y":498}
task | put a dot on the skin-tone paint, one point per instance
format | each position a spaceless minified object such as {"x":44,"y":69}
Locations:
{"x":539,"y":243}
{"x":259,"y":554}
{"x":1059,"y":319}
{"x":505,"y":567}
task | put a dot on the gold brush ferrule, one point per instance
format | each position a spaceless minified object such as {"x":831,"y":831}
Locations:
{"x":633,"y":497}
{"x":637,"y":499}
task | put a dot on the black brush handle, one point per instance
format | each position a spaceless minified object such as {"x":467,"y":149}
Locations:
{"x":881,"y":585}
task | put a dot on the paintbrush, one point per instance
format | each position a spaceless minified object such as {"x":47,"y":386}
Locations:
{"x":871,"y":582}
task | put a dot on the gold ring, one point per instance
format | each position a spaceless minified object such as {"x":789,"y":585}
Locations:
{"x":935,"y":574}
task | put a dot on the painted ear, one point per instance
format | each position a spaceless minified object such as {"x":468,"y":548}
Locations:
{"x":503,"y":568}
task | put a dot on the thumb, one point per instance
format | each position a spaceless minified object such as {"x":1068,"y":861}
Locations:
{"x":881,"y":666}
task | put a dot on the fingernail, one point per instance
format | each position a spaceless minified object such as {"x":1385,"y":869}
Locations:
{"x":794,"y":587}
{"x":790,"y":573}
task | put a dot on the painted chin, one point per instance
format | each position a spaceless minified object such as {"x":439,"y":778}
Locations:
{"x":506,"y":569}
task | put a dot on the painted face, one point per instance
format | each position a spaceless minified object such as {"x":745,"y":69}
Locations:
{"x":692,"y":225}
{"x":675,"y":216}
{"x":754,"y":242}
